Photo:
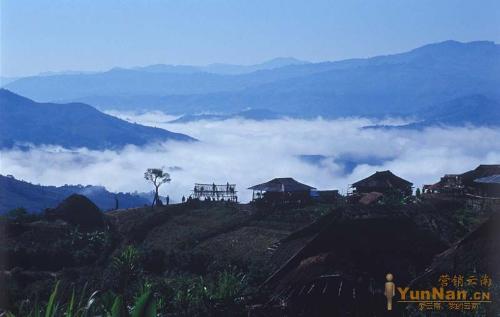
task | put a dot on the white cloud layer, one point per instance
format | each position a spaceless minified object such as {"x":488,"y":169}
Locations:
{"x":249,"y":152}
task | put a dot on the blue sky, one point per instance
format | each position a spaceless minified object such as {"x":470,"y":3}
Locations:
{"x":55,"y":35}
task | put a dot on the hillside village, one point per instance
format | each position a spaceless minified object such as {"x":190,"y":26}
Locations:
{"x":293,"y":250}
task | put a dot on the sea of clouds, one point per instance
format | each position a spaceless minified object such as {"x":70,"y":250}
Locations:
{"x":247,"y":152}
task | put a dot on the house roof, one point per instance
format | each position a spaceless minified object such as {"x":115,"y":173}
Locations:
{"x":483,"y":170}
{"x":338,"y":246}
{"x":286,"y":184}
{"x":493,"y":179}
{"x":383,"y":179}
{"x":473,"y":252}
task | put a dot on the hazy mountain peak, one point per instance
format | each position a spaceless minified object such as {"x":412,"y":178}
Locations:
{"x":456,"y":46}
{"x":232,"y":69}
{"x":284,"y":61}
{"x":216,"y":68}
{"x":165,"y":68}
{"x":66,"y":72}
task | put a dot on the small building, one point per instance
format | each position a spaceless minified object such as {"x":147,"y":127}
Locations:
{"x":448,"y":184}
{"x":451,"y":181}
{"x":465,"y":183}
{"x":326,"y":196}
{"x":282,"y":190}
{"x":384,"y":182}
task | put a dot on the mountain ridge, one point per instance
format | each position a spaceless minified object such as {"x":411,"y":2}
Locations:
{"x":400,"y":84}
{"x":23,"y":121}
{"x":470,"y":110}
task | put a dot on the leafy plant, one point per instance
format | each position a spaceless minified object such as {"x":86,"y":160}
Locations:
{"x":145,"y":305}
{"x":228,"y":285}
{"x":98,"y":304}
{"x":52,"y":305}
{"x":127,"y":265}
{"x":127,"y":260}
{"x":200,"y":296}
{"x":119,"y":308}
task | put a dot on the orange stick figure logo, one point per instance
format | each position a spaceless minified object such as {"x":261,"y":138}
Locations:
{"x":390,"y":290}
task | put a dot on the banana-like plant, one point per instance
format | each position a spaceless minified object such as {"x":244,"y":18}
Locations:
{"x":145,"y":305}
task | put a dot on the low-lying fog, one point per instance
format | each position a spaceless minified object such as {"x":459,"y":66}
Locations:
{"x":326,"y":154}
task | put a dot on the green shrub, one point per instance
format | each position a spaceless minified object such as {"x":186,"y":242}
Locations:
{"x":228,"y":285}
{"x":87,"y":246}
{"x":21,"y":215}
{"x":201,"y":296}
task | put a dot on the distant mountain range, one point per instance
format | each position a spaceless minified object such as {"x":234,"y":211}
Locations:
{"x":475,"y":110}
{"x":153,"y":80}
{"x":35,"y":198}
{"x":398,"y":84}
{"x":251,"y":114}
{"x":220,"y":68}
{"x":23,"y":121}
{"x":5,"y":80}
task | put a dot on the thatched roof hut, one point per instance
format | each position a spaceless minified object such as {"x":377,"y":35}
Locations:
{"x":383,"y":182}
{"x":342,"y":268}
{"x":79,"y":211}
{"x":282,"y":185}
{"x":282,"y":191}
